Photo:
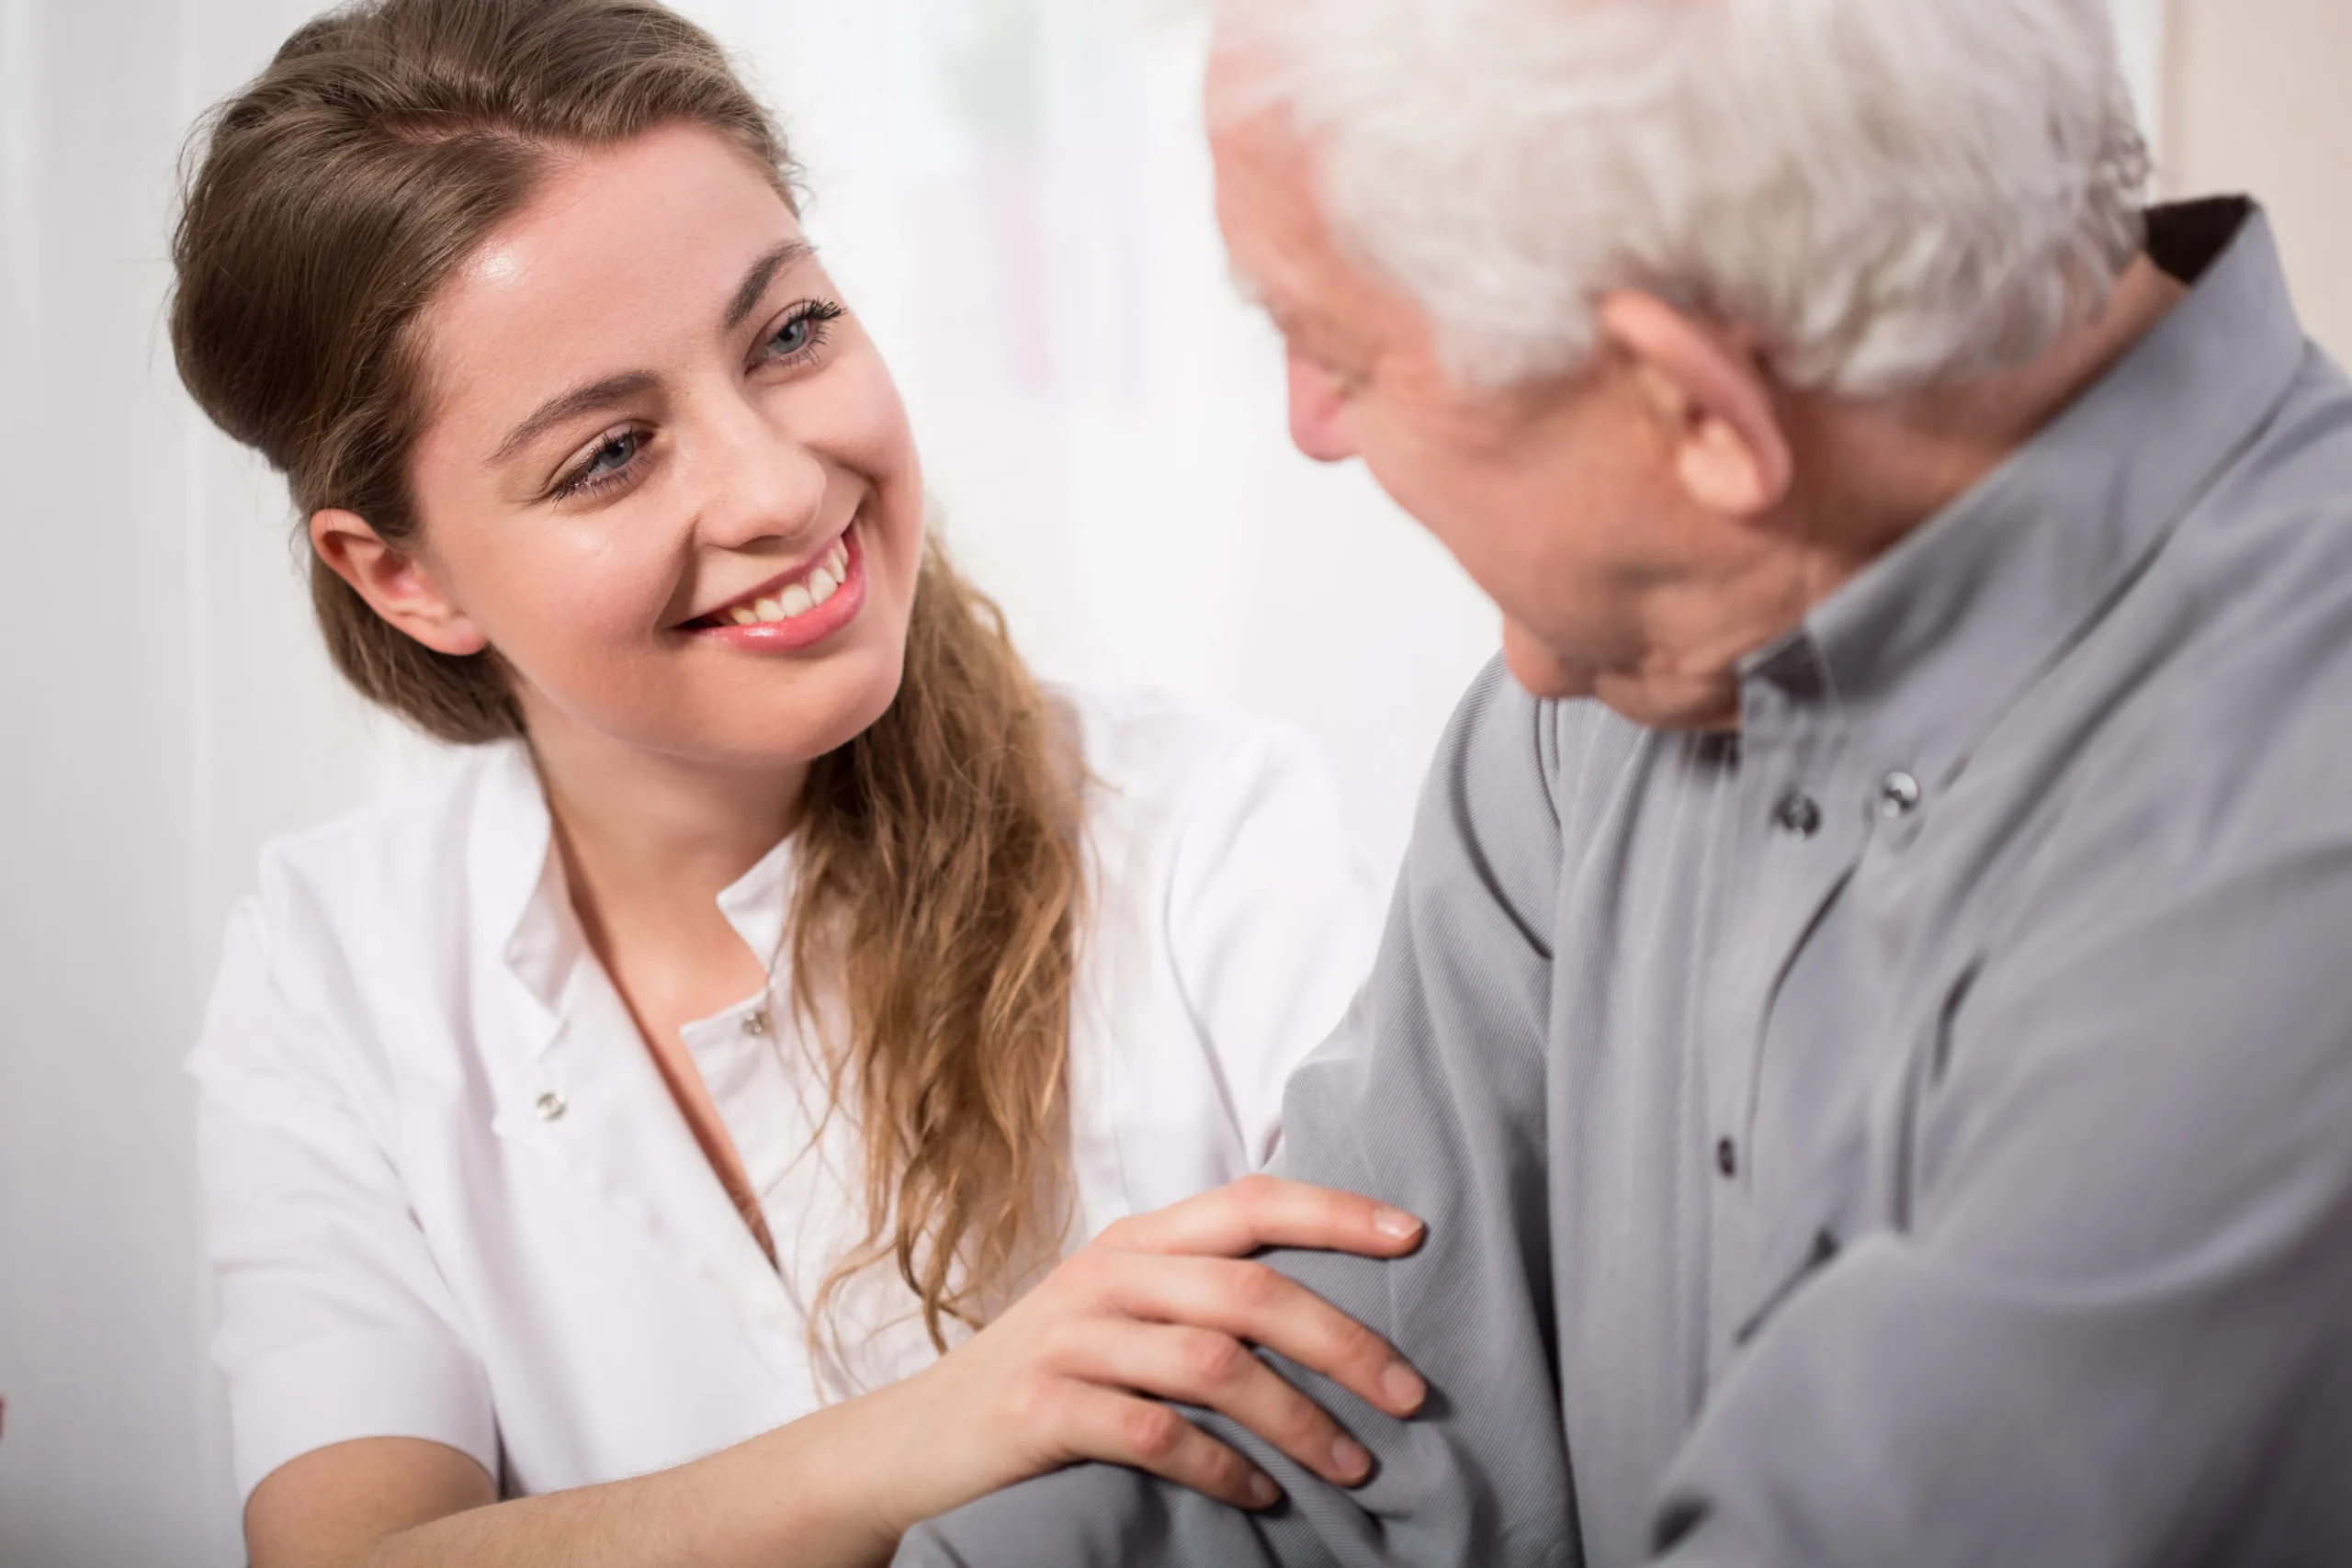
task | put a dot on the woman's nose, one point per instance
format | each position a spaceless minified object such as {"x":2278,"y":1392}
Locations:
{"x":1318,"y":414}
{"x":760,"y":483}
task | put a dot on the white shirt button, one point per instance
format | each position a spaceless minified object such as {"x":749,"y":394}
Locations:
{"x":1899,"y":796}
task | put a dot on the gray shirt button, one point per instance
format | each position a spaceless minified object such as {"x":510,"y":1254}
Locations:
{"x":551,"y":1108}
{"x":757,"y":1023}
{"x":1727,"y":1158}
{"x":1798,"y":814}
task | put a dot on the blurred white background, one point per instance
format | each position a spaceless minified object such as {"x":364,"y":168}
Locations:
{"x":1014,"y":194}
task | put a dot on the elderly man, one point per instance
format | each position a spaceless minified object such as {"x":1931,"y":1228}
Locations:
{"x":1868,"y":1013}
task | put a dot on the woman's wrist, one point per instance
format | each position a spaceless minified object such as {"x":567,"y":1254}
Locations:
{"x":904,"y":1453}
{"x":876,"y":1465}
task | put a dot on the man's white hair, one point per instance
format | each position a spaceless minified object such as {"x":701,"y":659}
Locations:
{"x":1894,"y":193}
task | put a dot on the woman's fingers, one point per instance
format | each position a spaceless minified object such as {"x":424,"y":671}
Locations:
{"x":1199,"y":1366}
{"x":1251,"y":1302}
{"x":1258,"y":1212}
{"x":1167,"y":1306}
{"x":1121,"y":1428}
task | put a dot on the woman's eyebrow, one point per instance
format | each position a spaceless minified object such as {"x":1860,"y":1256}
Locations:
{"x":617,"y":389}
{"x":571,"y":405}
{"x":792,"y":252}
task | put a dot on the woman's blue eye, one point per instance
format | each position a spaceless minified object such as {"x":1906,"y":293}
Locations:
{"x":613,"y":455}
{"x":804,"y":333}
{"x":604,"y":465}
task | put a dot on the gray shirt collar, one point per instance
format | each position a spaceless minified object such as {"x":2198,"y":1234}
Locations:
{"x":1935,"y":639}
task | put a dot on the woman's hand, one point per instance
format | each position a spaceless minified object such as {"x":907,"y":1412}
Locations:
{"x":1164,"y":1305}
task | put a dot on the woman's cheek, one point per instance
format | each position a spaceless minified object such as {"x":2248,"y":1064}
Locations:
{"x":595,"y":612}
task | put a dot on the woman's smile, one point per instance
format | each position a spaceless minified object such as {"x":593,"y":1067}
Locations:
{"x":802,"y":609}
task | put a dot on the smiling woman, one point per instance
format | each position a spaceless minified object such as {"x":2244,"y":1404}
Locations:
{"x":717,"y":1061}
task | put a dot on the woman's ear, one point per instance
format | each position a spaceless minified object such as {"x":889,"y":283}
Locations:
{"x":394,"y":583}
{"x":1714,"y":400}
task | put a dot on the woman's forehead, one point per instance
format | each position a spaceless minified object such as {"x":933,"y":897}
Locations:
{"x":662,"y":208}
{"x":627,"y":259}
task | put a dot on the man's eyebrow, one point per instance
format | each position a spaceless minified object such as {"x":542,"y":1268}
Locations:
{"x":571,"y":405}
{"x":1278,"y":310}
{"x":792,"y":252}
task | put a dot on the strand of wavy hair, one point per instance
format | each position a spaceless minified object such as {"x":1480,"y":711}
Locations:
{"x":941,"y":888}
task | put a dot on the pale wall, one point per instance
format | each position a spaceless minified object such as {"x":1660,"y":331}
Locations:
{"x":2259,"y":103}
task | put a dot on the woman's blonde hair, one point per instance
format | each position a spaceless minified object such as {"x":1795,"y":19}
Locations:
{"x":941,"y":874}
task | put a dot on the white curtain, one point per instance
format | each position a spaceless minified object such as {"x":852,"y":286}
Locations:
{"x":1013,"y":191}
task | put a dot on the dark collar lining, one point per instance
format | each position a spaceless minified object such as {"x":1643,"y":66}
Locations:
{"x":2187,"y":237}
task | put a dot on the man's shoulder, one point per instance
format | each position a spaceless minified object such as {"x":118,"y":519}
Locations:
{"x":2204,"y":731}
{"x":1520,"y":785}
{"x":1534,"y":760}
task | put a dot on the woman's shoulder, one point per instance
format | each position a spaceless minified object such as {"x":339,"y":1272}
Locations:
{"x":1152,"y":754}
{"x":414,"y":866}
{"x":1235,"y":918}
{"x":1185,"y":797}
{"x":352,"y":960}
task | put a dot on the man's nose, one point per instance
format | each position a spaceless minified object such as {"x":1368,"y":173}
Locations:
{"x":1318,"y":414}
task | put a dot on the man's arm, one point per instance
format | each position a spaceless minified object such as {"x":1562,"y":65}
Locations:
{"x":1431,"y":1097}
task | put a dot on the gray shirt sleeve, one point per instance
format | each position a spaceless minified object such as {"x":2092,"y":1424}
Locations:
{"x":1430,"y":1096}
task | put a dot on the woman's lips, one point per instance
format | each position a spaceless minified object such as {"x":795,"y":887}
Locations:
{"x":800,"y":613}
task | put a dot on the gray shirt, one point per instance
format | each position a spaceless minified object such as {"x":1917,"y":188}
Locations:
{"x":1918,"y":1131}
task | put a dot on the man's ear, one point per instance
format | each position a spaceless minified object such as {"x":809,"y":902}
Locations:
{"x":1714,"y":400}
{"x":394,"y":583}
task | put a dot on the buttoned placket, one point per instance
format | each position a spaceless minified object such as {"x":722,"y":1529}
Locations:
{"x":1800,"y":828}
{"x":593,"y":1100}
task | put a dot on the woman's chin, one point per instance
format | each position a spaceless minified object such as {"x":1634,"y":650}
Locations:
{"x":817,"y":718}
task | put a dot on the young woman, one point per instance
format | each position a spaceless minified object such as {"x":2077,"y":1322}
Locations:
{"x":665,"y":1122}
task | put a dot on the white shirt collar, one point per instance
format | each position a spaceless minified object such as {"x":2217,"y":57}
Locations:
{"x":522,"y":882}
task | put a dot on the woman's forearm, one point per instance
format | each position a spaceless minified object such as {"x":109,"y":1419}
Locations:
{"x":810,"y":1495}
{"x":1165,"y":1304}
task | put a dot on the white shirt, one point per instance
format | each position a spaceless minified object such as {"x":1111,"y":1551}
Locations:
{"x":450,"y":1197}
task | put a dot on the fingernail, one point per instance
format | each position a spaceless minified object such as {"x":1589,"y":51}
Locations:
{"x":1403,"y":1386}
{"x":1264,"y":1493}
{"x":1349,"y":1458}
{"x":1396,"y":1222}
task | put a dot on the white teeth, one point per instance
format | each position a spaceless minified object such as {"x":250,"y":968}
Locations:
{"x":829,"y":578}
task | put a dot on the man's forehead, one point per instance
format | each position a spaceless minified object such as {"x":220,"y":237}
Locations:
{"x":1239,"y":63}
{"x":1283,"y":254}
{"x":1266,"y":198}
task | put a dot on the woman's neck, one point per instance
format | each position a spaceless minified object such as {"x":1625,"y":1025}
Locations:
{"x":650,"y":843}
{"x":649,"y":840}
